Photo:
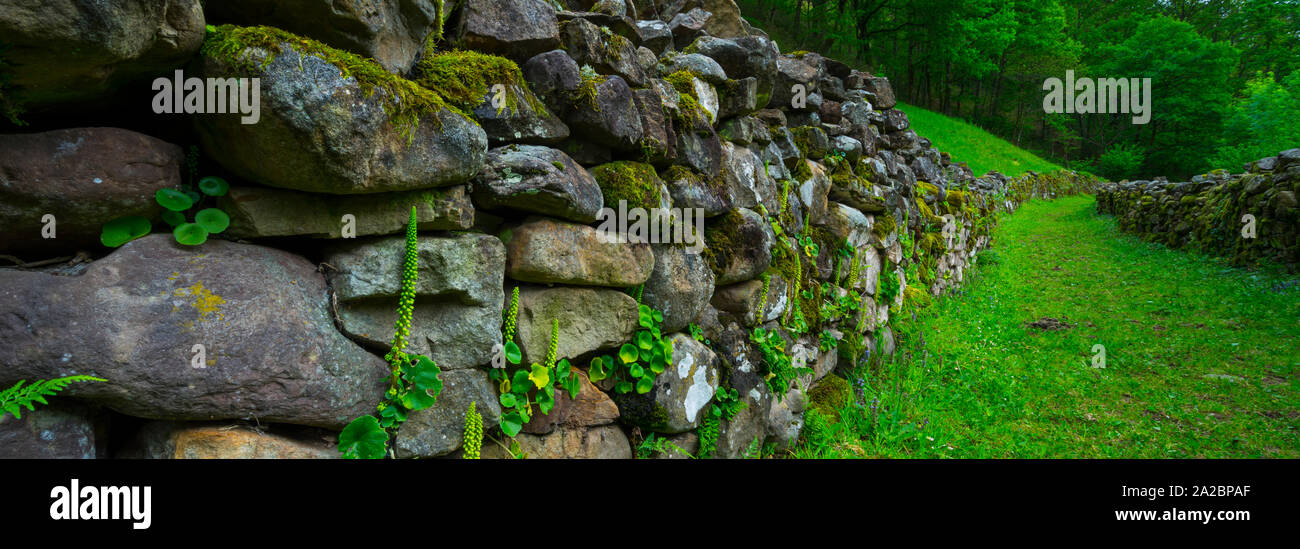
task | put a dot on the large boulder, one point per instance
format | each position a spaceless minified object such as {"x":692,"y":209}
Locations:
{"x":457,"y":316}
{"x":392,"y":33}
{"x":440,"y":429}
{"x":84,"y":177}
{"x":602,"y":49}
{"x":71,"y":53}
{"x":554,"y":76}
{"x":530,"y":178}
{"x":258,"y":212}
{"x":523,"y":119}
{"x":322,"y":131}
{"x":180,"y":440}
{"x":65,"y":429}
{"x":605,"y":112}
{"x":518,"y":29}
{"x":679,"y":286}
{"x":739,"y":246}
{"x":681,"y":394}
{"x":604,"y":442}
{"x":590,"y":320}
{"x":270,"y":350}
{"x":725,"y":20}
{"x":554,"y":252}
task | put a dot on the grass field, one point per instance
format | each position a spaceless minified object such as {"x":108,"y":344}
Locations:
{"x":1201,"y":359}
{"x":968,"y":143}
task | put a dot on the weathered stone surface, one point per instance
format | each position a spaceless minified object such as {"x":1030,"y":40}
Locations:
{"x":681,"y":393}
{"x":814,"y":191}
{"x":391,"y":33}
{"x":746,"y":178}
{"x":679,"y":286}
{"x":604,"y":442}
{"x":261,"y":314}
{"x":84,"y":177}
{"x":590,"y":320}
{"x":439,"y":429}
{"x":737,"y":435}
{"x":518,"y":29}
{"x":537,"y":179}
{"x":739,"y":246}
{"x":691,"y":190}
{"x":657,"y":138}
{"x":605,"y":51}
{"x":320,"y":132}
{"x":686,"y":27}
{"x":742,"y":300}
{"x":883,"y":92}
{"x":791,"y":72}
{"x":526,"y":121}
{"x":591,"y":408}
{"x":73,"y":52}
{"x":548,"y":251}
{"x":612,"y":120}
{"x":725,"y":20}
{"x":258,"y":212}
{"x":178,"y":440}
{"x":750,"y":56}
{"x":457,"y":317}
{"x":785,"y":420}
{"x":737,"y":97}
{"x":64,"y":429}
{"x":655,"y":35}
{"x":701,"y":66}
{"x":553,"y":76}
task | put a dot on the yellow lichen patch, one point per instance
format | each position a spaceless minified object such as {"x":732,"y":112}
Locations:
{"x":205,"y":302}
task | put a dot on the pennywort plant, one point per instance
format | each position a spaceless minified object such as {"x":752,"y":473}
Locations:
{"x":413,"y":384}
{"x":638,"y":362}
{"x":176,"y":206}
{"x":523,"y":388}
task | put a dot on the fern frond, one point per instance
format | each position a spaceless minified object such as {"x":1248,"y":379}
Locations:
{"x":13,"y":399}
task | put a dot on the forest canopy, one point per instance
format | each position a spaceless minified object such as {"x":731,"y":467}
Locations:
{"x":1226,"y":89}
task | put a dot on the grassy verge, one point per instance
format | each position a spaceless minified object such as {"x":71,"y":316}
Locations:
{"x":1201,"y":359}
{"x":968,"y":143}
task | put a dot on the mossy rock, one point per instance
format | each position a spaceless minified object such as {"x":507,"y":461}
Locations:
{"x":832,"y":394}
{"x":635,"y":183}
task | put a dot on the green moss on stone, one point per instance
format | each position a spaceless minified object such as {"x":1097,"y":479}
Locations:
{"x":404,"y":101}
{"x":635,"y":182}
{"x":465,"y":78}
{"x":832,"y":394}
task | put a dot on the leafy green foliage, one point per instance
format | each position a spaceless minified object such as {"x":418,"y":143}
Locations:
{"x":1201,"y":360}
{"x":657,"y":444}
{"x":124,"y":229}
{"x":175,"y":203}
{"x":726,"y":404}
{"x":535,"y":385}
{"x":414,"y":384}
{"x":13,"y":399}
{"x":780,"y":372}
{"x":190,"y":234}
{"x":640,"y":361}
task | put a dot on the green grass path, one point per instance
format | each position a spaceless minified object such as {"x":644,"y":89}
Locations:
{"x":1201,"y":359}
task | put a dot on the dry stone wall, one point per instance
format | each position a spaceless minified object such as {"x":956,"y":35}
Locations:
{"x":824,"y":216}
{"x":1248,"y":218}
